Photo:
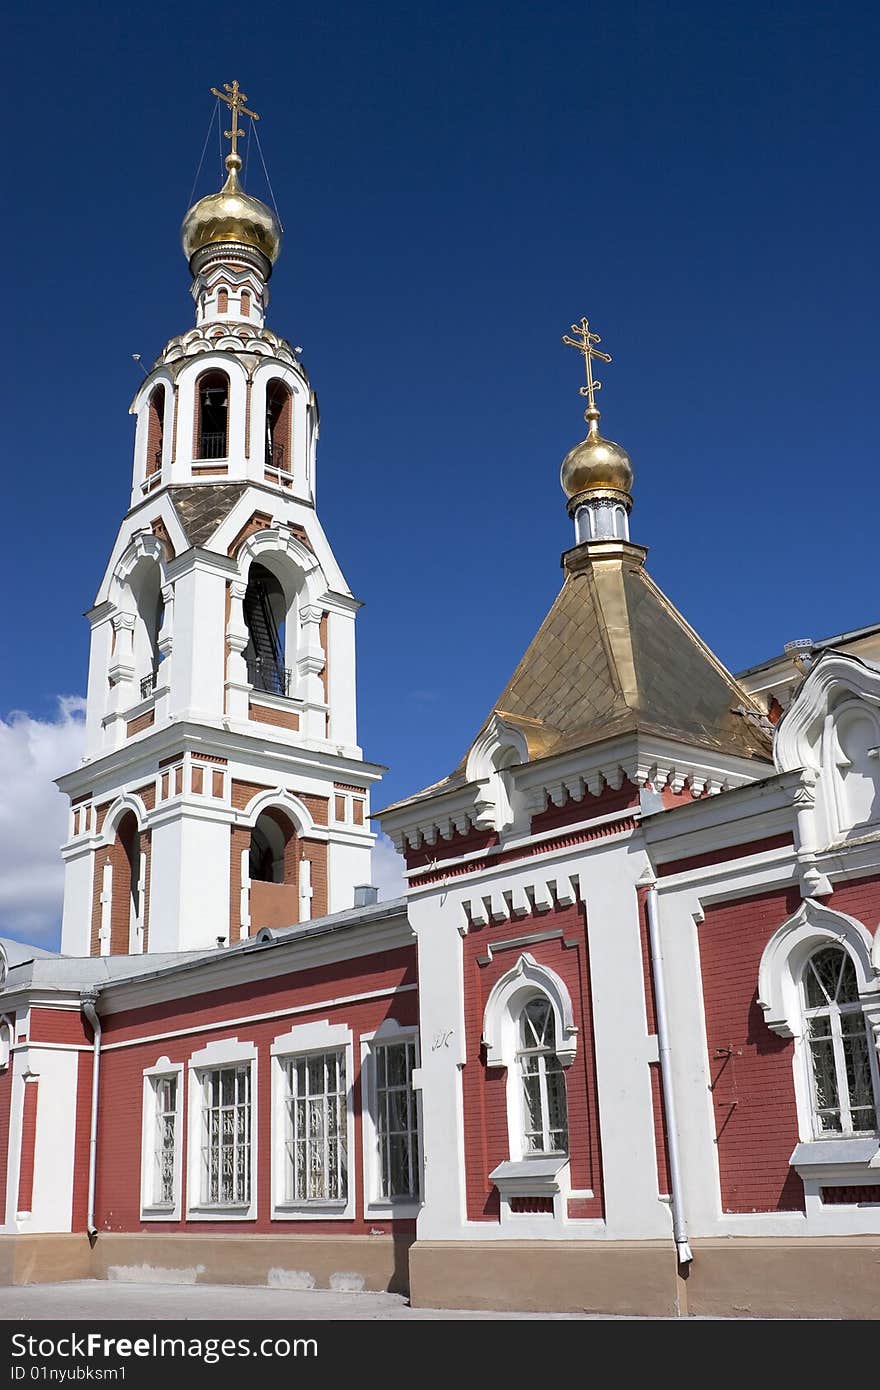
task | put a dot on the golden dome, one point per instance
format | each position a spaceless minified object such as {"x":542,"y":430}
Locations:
{"x":596,"y":463}
{"x":231,"y":215}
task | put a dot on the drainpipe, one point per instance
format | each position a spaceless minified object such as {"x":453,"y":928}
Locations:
{"x":679,"y":1221}
{"x":88,"y":999}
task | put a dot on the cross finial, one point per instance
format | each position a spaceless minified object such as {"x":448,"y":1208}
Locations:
{"x":585,"y":342}
{"x":235,"y":99}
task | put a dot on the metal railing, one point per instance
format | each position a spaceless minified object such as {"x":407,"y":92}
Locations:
{"x":265,"y":675}
{"x":212,"y":446}
{"x":148,"y":685}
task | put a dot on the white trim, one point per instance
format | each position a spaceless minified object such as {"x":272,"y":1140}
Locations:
{"x":150,"y":1210}
{"x":786,"y":954}
{"x":226,"y":1052}
{"x":320,"y":1036}
{"x":526,"y":977}
{"x":382,"y":1208}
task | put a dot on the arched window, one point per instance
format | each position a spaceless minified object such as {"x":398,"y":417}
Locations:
{"x":544,"y":1111}
{"x":245,"y":304}
{"x":155,"y":430}
{"x":265,"y":612}
{"x":841,"y":1051}
{"x":223,"y":301}
{"x":279,"y":415}
{"x":212,"y":415}
{"x":273,"y":870}
{"x":126,"y":906}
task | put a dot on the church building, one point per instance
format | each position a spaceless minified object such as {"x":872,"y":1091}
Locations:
{"x":615,"y":1048}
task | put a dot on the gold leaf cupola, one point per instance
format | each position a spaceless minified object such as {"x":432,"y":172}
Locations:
{"x":231,"y":221}
{"x":597,"y":474}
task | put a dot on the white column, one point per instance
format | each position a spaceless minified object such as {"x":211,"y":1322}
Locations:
{"x":443,"y":1054}
{"x":237,"y":637}
{"x":164,"y":675}
{"x":623,"y":1050}
{"x":309,"y":665}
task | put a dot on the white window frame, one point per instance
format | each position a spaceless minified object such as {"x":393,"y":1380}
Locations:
{"x":376,"y":1205}
{"x":541,"y":1054}
{"x":833,"y":1013}
{"x":7,"y":1038}
{"x":164,"y":1070}
{"x":228,"y":1052}
{"x":308,"y":1039}
{"x":501,"y":1036}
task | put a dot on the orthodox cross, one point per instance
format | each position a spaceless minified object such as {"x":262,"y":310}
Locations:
{"x":585,"y":342}
{"x":235,"y":100}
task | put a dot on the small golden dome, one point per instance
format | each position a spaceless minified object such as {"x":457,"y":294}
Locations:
{"x":231,"y":215}
{"x":596,"y":463}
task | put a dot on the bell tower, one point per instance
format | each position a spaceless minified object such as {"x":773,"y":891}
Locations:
{"x":222,"y":787}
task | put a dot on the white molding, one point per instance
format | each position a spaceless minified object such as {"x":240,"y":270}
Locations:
{"x":301,"y":1040}
{"x":225,"y":1052}
{"x":149,"y":1210}
{"x":527,"y":977}
{"x":786,"y":953}
{"x":381,"y":1208}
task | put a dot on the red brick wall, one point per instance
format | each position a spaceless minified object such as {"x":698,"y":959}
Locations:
{"x":119,"y":1159}
{"x":661,"y":1141}
{"x":485,"y":1089}
{"x":28,"y":1146}
{"x":750,"y":1067}
{"x":753,"y":1089}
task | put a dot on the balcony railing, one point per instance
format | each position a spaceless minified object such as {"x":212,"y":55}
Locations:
{"x":148,"y":685}
{"x":212,"y":446}
{"x":265,"y":675}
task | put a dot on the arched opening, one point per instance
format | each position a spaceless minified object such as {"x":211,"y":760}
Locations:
{"x":126,"y":905}
{"x":279,"y":416}
{"x":265,"y":613}
{"x":145,"y":587}
{"x":223,"y":301}
{"x":155,"y":430}
{"x":245,"y":304}
{"x":212,"y":415}
{"x":273,"y":870}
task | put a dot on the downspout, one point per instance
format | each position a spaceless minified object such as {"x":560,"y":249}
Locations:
{"x":679,"y":1221}
{"x":88,"y":999}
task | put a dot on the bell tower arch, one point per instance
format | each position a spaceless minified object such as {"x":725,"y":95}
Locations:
{"x":222,"y":659}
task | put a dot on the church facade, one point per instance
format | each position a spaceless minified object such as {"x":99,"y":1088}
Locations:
{"x":616,"y":1047}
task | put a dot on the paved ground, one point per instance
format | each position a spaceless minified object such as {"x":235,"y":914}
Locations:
{"x":109,"y":1300}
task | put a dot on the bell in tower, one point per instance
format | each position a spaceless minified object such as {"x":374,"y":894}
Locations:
{"x":223,"y":788}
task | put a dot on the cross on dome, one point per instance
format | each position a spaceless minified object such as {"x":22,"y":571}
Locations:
{"x":235,"y":99}
{"x":585,"y":341}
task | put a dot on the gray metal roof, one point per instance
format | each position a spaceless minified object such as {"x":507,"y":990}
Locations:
{"x":64,"y":974}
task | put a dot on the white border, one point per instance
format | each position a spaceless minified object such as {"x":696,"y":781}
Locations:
{"x":227,"y":1052}
{"x":320,"y":1036}
{"x":386,"y":1208}
{"x":151,"y":1211}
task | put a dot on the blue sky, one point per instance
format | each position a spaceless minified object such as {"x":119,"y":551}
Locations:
{"x":458,"y":182}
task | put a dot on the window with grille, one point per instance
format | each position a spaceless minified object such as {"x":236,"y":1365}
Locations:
{"x":164,"y":1141}
{"x":840,"y":1051}
{"x":226,"y":1136}
{"x":545,"y":1122}
{"x":315,"y":1141}
{"x":397,"y":1123}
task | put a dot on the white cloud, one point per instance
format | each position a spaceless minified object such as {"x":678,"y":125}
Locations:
{"x":33,"y":818}
{"x":387,"y":867}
